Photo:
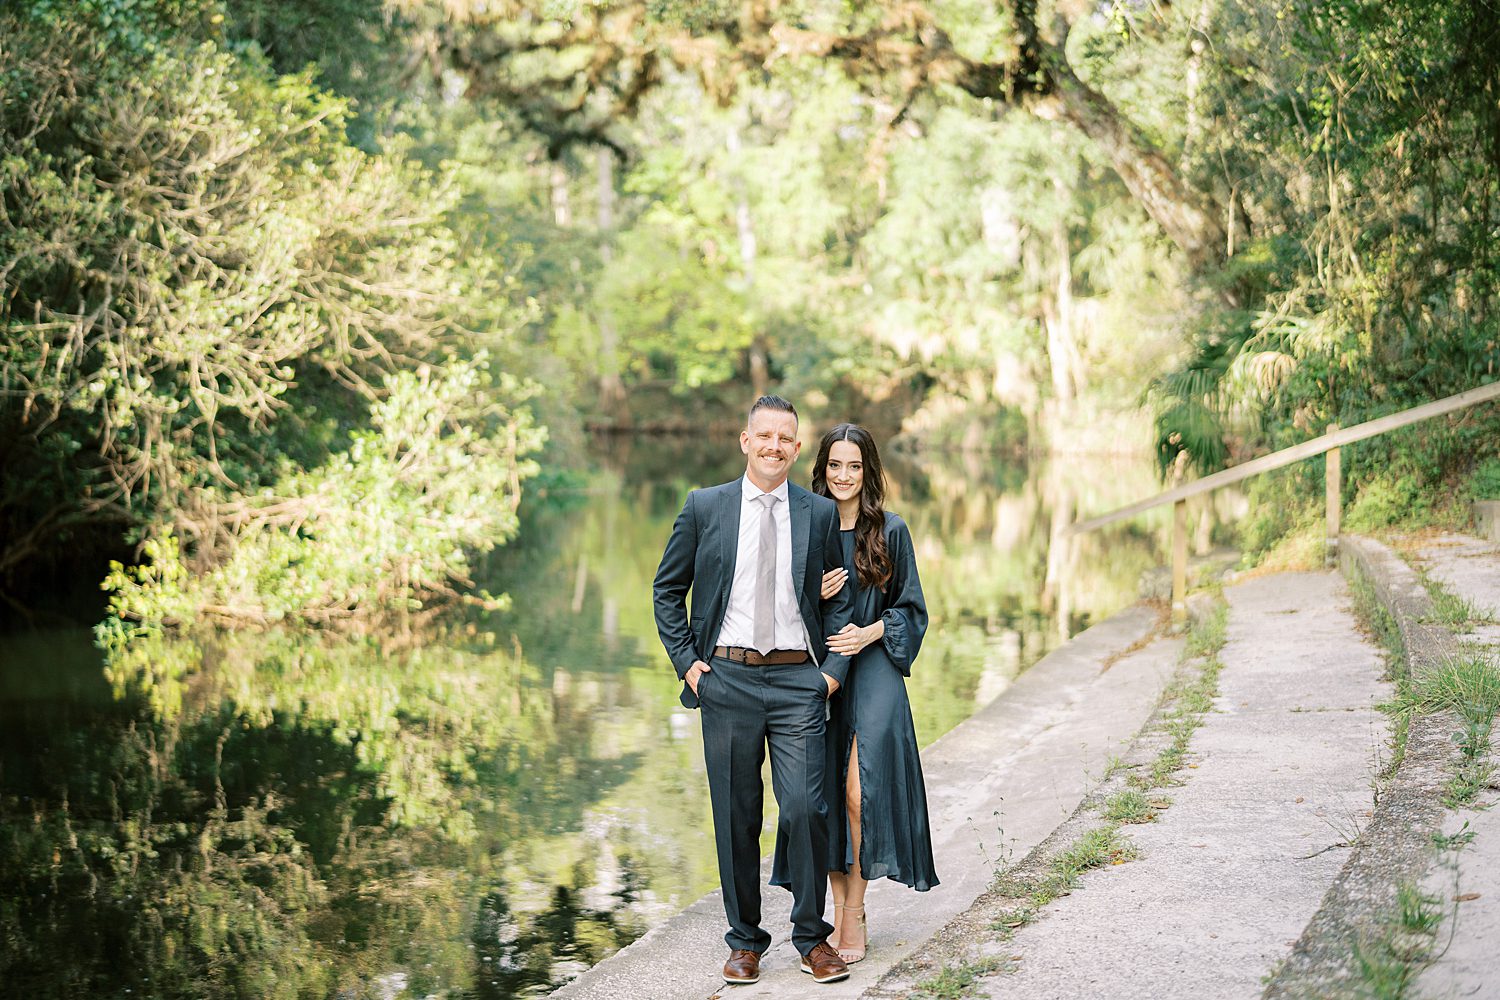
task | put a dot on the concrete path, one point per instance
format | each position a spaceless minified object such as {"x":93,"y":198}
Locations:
{"x":1467,"y":880}
{"x":1467,"y":883}
{"x":999,"y":782}
{"x":1470,"y":568}
{"x":1280,"y":781}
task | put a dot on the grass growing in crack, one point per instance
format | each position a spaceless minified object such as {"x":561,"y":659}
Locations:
{"x":1187,"y":699}
{"x":1469,"y":687}
{"x":1461,"y":838}
{"x":1374,"y":616}
{"x":1417,"y":912}
{"x":1206,"y":635}
{"x":1452,"y":609}
{"x":1162,"y":770}
{"x":1387,"y":632}
{"x":956,"y":981}
{"x":1390,"y":961}
{"x":1131,"y":805}
{"x":1013,"y":885}
{"x":1097,"y":848}
{"x":1474,"y":773}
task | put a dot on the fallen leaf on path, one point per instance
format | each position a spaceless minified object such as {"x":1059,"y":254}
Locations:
{"x":1301,"y":799}
{"x":1465,"y":897}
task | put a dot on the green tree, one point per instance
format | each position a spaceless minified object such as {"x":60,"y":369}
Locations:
{"x":1365,"y":142}
{"x":210,"y":290}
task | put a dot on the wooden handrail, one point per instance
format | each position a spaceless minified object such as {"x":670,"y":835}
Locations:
{"x":1330,"y":443}
{"x":1296,"y":453}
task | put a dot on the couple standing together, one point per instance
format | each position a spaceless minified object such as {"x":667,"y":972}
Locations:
{"x":806,"y":615}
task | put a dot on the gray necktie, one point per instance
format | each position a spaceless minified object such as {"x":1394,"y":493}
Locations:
{"x":765,"y":578}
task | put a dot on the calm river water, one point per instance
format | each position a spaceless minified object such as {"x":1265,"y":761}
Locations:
{"x":480,"y":811}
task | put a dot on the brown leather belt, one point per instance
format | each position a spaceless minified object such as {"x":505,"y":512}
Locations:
{"x":776,"y":657}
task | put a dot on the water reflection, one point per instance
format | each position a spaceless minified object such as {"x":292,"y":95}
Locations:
{"x":483,"y":811}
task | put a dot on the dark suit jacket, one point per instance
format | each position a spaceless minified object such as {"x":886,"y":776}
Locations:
{"x":701,"y":554}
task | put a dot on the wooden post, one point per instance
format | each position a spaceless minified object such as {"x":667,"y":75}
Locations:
{"x":1332,"y":476}
{"x":1179,"y":563}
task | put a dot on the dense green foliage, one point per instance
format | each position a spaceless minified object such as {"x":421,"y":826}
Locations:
{"x":232,"y":335}
{"x":916,"y":261}
{"x":1364,"y":140}
{"x":1283,"y":213}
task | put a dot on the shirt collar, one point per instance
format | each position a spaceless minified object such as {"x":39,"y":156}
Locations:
{"x":750,"y":491}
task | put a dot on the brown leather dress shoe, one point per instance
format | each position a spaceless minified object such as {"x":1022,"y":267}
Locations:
{"x":743,"y":967}
{"x":824,"y":964}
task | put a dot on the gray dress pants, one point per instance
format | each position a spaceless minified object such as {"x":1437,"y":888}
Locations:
{"x":745,"y":709}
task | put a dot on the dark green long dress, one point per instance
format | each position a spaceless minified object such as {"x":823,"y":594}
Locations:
{"x":873,"y":708}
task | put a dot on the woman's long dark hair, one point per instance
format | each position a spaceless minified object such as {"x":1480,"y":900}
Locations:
{"x":871,"y":560}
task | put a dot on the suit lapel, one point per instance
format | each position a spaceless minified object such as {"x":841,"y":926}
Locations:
{"x":801,"y":512}
{"x":730,"y":501}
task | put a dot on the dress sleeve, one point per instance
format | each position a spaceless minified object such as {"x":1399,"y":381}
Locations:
{"x":905,"y":614}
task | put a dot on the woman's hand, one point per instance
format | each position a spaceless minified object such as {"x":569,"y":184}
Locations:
{"x":851,"y":639}
{"x":833,"y":582}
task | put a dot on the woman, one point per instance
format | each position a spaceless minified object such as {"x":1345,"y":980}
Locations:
{"x":877,"y":804}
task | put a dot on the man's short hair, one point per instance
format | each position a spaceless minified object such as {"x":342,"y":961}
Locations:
{"x":771,"y":403}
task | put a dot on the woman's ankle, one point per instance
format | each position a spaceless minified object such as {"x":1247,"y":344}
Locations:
{"x":853,"y":935}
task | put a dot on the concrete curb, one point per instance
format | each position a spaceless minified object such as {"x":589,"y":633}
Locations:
{"x":1396,"y":845}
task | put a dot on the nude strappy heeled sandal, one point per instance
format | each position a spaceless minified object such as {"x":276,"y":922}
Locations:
{"x":852,"y":955}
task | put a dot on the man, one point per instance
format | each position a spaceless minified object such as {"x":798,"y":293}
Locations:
{"x":754,"y":657}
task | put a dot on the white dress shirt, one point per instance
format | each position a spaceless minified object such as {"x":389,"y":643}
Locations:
{"x":739,"y":618}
